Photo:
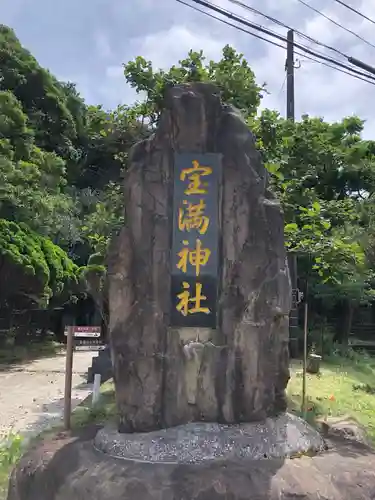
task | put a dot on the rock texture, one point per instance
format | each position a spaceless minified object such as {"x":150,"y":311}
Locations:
{"x":241,"y":368}
{"x":344,"y":427}
{"x":66,"y":468}
{"x":283,"y":436}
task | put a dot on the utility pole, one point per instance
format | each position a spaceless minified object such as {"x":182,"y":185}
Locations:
{"x":292,"y":258}
{"x":289,"y":66}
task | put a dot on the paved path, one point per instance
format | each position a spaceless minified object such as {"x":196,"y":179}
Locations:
{"x":32,"y":394}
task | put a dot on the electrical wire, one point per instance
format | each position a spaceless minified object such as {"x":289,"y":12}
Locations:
{"x":280,"y":23}
{"x":279,"y":45}
{"x":230,"y":24}
{"x":351,"y":60}
{"x":355,"y":11}
{"x":336,"y":23}
{"x":282,"y":86}
{"x":268,"y":32}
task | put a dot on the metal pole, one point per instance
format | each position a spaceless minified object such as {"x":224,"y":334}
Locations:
{"x":68,"y":378}
{"x":292,"y":258}
{"x":304,"y":412}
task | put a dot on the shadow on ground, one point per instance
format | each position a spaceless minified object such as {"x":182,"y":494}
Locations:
{"x":51,"y":414}
{"x":14,"y":358}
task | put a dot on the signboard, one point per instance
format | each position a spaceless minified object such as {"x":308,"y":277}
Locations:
{"x":85,"y":331}
{"x":86,"y":338}
{"x":85,"y":345}
{"x":195,"y":240}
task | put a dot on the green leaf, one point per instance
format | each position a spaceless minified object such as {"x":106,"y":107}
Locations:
{"x":316,"y":206}
{"x":291,"y":228}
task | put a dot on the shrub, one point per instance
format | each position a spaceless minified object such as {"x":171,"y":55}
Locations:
{"x":32,"y":266}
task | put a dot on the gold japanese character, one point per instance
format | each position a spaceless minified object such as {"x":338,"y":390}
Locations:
{"x":192,"y":217}
{"x":194,"y":174}
{"x":186,"y":301}
{"x":197,"y":257}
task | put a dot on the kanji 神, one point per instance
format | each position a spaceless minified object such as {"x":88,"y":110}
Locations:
{"x":194,"y":174}
{"x":197,"y":257}
{"x":191,"y":304}
{"x":192,"y":217}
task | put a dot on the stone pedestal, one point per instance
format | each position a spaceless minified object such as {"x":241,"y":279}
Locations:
{"x":199,"y":442}
{"x":209,"y":462}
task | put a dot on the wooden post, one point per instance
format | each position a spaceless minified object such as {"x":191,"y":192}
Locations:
{"x":68,"y":378}
{"x":304,"y":413}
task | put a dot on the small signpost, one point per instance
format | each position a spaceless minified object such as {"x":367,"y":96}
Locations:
{"x":195,"y":242}
{"x":72,"y":332}
{"x":87,"y":337}
{"x":68,"y":377}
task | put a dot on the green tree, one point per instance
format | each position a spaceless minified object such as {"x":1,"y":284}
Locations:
{"x":62,"y":164}
{"x":108,"y":138}
{"x":42,"y":98}
{"x":33,"y":268}
{"x":232,"y":75}
{"x":327,"y":166}
{"x":33,"y":180}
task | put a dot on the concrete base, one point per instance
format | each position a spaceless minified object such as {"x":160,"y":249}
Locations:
{"x":280,"y":437}
{"x":69,"y":467}
{"x":102,"y":364}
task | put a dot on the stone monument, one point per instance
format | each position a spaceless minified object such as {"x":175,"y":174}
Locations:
{"x":211,"y":342}
{"x":199,"y":296}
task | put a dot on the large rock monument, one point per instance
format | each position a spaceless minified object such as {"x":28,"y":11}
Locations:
{"x":199,"y":285}
{"x":199,"y":295}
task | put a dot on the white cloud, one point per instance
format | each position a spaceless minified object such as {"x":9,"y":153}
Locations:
{"x":164,"y":32}
{"x":103,"y":46}
{"x":166,"y":47}
{"x":115,"y":71}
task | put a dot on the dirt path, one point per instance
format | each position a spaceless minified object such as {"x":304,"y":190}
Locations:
{"x":32,"y":395}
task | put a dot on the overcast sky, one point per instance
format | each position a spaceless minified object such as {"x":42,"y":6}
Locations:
{"x":86,"y":41}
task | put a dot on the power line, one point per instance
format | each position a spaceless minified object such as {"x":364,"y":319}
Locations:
{"x":355,"y":11}
{"x":352,"y":72}
{"x":350,"y":59}
{"x":268,"y":32}
{"x":280,"y":23}
{"x":336,"y":23}
{"x":230,"y":24}
{"x":335,"y":68}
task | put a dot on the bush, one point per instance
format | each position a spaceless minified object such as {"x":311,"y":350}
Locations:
{"x":32,"y":265}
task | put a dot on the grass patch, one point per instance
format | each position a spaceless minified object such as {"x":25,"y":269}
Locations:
{"x":10,"y":452}
{"x":12,"y":354}
{"x":101,"y":413}
{"x":344,"y":387}
{"x":12,"y":448}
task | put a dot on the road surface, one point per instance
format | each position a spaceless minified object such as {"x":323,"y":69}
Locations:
{"x":32,"y":394}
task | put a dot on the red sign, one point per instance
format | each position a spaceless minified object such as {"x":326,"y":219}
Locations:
{"x":85,"y":331}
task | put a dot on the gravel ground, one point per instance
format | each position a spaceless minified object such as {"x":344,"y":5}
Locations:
{"x":32,"y":394}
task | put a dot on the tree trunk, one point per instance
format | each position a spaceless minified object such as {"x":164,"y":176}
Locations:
{"x":343,"y":333}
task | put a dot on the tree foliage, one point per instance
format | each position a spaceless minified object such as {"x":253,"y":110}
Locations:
{"x":32,"y":267}
{"x":62,"y":164}
{"x":232,"y":75}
